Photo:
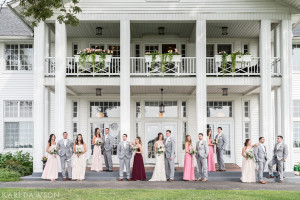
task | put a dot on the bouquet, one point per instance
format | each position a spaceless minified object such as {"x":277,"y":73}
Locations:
{"x":249,"y":154}
{"x":53,"y":151}
{"x":98,"y":142}
{"x":78,"y":151}
{"x":134,"y":148}
{"x":215,"y":141}
{"x":160,"y":150}
{"x":193,"y":151}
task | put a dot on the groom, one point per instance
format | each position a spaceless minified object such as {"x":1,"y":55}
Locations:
{"x":107,"y":150}
{"x":169,"y":156}
{"x":221,"y":144}
{"x":124,"y":154}
{"x":65,"y":147}
{"x":260,"y":154}
{"x":201,"y":156}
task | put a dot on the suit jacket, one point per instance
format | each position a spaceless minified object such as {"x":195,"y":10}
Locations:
{"x":107,"y":144}
{"x":65,"y":150}
{"x":281,"y":151}
{"x":170,"y":147}
{"x":124,"y":152}
{"x":222,"y":141}
{"x":260,"y":154}
{"x":202,"y":150}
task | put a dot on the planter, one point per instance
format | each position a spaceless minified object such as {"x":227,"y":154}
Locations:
{"x":176,"y":58}
{"x":296,"y":168}
{"x":218,"y":58}
{"x":244,"y":58}
{"x":97,"y":58}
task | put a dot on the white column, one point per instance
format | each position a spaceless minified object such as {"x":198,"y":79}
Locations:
{"x":125,"y":77}
{"x":47,"y":91}
{"x":277,"y":105}
{"x":265,"y":89}
{"x":39,"y":46}
{"x":60,"y":74}
{"x":201,"y":117}
{"x":286,"y":89}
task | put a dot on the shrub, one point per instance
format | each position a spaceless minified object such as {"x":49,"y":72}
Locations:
{"x":8,"y":175}
{"x":19,"y":162}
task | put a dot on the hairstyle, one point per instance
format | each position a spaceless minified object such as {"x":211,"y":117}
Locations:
{"x":139,"y":138}
{"x":188,"y":141}
{"x":65,"y":132}
{"x":107,"y":129}
{"x":160,"y":134}
{"x":76,"y":141}
{"x":49,"y":141}
{"x":200,"y":134}
{"x":260,"y":138}
{"x":96,"y":130}
{"x":246,"y":142}
{"x":280,"y":136}
{"x":220,"y":128}
{"x":209,"y":135}
{"x":125,"y":134}
{"x":168,"y":131}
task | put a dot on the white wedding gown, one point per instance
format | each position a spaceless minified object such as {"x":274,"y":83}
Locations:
{"x":248,"y":169}
{"x":159,"y":173}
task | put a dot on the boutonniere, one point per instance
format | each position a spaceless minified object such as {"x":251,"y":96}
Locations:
{"x":281,"y":146}
{"x":169,"y":141}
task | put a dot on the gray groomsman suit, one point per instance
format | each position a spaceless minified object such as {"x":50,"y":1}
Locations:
{"x":222,"y":142}
{"x":170,"y":152}
{"x":124,"y":154}
{"x":108,"y":142}
{"x":65,"y":153}
{"x":201,"y":156}
{"x":260,"y":154}
{"x":280,"y":151}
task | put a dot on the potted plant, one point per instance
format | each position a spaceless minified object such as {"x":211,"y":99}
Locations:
{"x":44,"y":160}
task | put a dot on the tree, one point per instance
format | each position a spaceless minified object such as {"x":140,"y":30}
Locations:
{"x":40,"y":10}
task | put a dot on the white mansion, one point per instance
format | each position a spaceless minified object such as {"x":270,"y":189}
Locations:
{"x":44,"y":89}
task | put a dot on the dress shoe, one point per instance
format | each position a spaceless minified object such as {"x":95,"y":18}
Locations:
{"x":120,"y":179}
{"x":198,"y":179}
{"x":263,"y":182}
{"x":70,"y":179}
{"x":171,"y":180}
{"x":168,"y":179}
{"x":65,"y":179}
{"x":270,"y":176}
{"x":223,"y":170}
{"x":280,"y":181}
{"x":128,"y":179}
{"x":203,"y":180}
{"x":110,"y":170}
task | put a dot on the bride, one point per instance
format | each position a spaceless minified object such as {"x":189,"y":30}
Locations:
{"x":159,"y":173}
{"x":248,"y":164}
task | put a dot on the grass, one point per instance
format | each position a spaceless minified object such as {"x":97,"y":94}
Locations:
{"x":128,"y":194}
{"x":7,"y":175}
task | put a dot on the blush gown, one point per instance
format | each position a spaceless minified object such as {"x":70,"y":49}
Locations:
{"x":51,"y":168}
{"x":211,"y":159}
{"x":97,"y":159}
{"x":188,"y":170}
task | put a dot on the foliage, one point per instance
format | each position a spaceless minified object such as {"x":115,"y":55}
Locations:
{"x":224,"y":61}
{"x":19,"y":162}
{"x":40,"y":10}
{"x":7,"y":175}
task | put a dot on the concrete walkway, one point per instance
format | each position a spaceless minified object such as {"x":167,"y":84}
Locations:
{"x":210,"y":185}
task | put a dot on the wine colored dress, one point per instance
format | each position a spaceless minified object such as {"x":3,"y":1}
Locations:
{"x":138,"y":170}
{"x":211,"y":159}
{"x":188,"y":170}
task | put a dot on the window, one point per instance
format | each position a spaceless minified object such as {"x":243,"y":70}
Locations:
{"x":104,"y":109}
{"x":246,"y":108}
{"x":75,"y":49}
{"x":296,"y":130}
{"x":137,"y":129}
{"x":296,"y":108}
{"x":137,"y":50}
{"x":74,"y":130}
{"x":19,"y":57}
{"x":296,"y":57}
{"x":183,"y":109}
{"x":184,"y":131}
{"x":18,"y":124}
{"x":152,"y":109}
{"x":97,"y":46}
{"x":247,"y":130}
{"x":151,"y":48}
{"x":210,"y":50}
{"x":183,"y":50}
{"x":225,"y":47}
{"x":246,"y":48}
{"x":138,"y":109}
{"x":219,"y":109}
{"x":115,"y":49}
{"x":75,"y":109}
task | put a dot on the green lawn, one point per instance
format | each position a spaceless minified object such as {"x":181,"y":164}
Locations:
{"x":120,"y":194}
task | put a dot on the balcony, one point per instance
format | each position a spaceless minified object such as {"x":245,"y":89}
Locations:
{"x":186,"y":67}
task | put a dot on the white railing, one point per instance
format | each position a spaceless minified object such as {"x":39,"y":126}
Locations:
{"x":49,"y":66}
{"x":275,"y":66}
{"x":187,"y":67}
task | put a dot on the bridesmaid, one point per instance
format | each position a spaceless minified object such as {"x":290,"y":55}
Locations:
{"x":97,"y":155}
{"x":210,"y":160}
{"x":79,"y":160}
{"x":138,"y":170}
{"x":188,"y":170}
{"x":51,"y":170}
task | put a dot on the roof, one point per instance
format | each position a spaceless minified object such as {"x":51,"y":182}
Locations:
{"x":12,"y":25}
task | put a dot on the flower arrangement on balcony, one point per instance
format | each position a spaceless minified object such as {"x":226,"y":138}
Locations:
{"x":165,"y":59}
{"x":97,"y":57}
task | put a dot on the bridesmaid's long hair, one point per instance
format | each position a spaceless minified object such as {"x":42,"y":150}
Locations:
{"x":160,"y":134}
{"x":246,"y":142}
{"x":209,"y":133}
{"x":76,"y":141}
{"x":49,"y":141}
{"x":95,"y":133}
{"x":139,"y":138}
{"x":187,"y":140}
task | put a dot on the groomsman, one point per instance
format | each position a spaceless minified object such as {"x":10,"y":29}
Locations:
{"x":107,"y":150}
{"x":201,"y":156}
{"x":65,"y":153}
{"x":221,"y":144}
{"x":279,"y":157}
{"x":169,"y":156}
{"x":124,"y":154}
{"x":260,"y":154}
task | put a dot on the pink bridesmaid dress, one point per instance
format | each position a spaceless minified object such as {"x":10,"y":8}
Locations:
{"x":51,"y":168}
{"x":97,"y":159}
{"x":188,"y":170}
{"x":211,"y":159}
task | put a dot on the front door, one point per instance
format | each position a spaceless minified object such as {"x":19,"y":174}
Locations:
{"x":228,"y":131}
{"x":151,"y":131}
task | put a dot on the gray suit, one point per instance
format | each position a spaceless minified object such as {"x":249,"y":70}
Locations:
{"x":260,"y":154}
{"x":170,"y":147}
{"x":107,"y":151}
{"x":201,"y":156}
{"x":280,"y":152}
{"x":124,"y":155}
{"x":222,"y":142}
{"x":65,"y":153}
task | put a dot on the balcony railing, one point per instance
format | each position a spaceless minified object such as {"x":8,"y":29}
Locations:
{"x":186,"y":67}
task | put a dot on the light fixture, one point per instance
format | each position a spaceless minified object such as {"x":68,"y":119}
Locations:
{"x":99,"y":31}
{"x":161,"y":30}
{"x":161,"y":106}
{"x":98,"y":92}
{"x":224,"y":30}
{"x":225,"y":91}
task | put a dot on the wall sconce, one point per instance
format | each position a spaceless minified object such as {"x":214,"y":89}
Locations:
{"x":161,"y":106}
{"x":225,"y":30}
{"x":161,"y":30}
{"x":98,"y":92}
{"x":225,"y":91}
{"x":99,"y":31}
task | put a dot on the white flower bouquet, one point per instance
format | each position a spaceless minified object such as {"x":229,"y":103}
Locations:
{"x":78,"y":151}
{"x":215,"y":141}
{"x":53,"y":151}
{"x":193,"y":151}
{"x":98,"y":142}
{"x":160,"y":150}
{"x":134,"y":148}
{"x":249,"y":154}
